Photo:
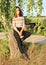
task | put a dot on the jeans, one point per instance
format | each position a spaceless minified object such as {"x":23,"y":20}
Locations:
{"x":19,"y":41}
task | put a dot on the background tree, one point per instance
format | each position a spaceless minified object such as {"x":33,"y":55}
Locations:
{"x":39,"y":7}
{"x":7,"y":9}
{"x":20,"y":2}
{"x":30,"y":5}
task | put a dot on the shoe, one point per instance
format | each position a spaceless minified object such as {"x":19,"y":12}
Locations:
{"x":26,"y":56}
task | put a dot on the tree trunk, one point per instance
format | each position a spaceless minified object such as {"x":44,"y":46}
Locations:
{"x":14,"y":50}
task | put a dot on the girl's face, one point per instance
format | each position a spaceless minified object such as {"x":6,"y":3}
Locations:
{"x":17,"y":11}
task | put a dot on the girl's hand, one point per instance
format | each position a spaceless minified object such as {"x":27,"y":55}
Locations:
{"x":20,"y":34}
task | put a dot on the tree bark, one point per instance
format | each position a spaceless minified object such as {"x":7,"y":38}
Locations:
{"x":14,"y":50}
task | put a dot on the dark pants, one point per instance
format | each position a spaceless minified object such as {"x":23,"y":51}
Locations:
{"x":19,"y":41}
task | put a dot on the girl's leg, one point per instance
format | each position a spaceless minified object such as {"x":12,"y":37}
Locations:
{"x":26,"y":34}
{"x":19,"y":41}
{"x":20,"y":45}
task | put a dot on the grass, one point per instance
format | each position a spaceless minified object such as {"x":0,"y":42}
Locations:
{"x":3,"y":47}
{"x":37,"y":57}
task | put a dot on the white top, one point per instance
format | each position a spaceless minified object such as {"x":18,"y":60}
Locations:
{"x":18,"y":22}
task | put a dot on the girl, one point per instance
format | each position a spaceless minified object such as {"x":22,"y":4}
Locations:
{"x":18,"y":26}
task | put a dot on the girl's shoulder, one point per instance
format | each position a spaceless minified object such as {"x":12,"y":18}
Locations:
{"x":15,"y":18}
{"x":22,"y":16}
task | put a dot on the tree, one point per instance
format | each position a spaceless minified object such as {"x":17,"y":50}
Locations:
{"x":39,"y":7}
{"x":20,"y":2}
{"x":30,"y":7}
{"x":14,"y":50}
{"x":7,"y":9}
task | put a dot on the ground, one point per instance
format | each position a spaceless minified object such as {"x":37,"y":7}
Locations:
{"x":37,"y":56}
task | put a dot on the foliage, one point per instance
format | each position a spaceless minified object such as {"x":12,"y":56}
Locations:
{"x":1,"y":27}
{"x":40,"y":27}
{"x":20,"y":3}
{"x":4,"y":50}
{"x":34,"y":6}
{"x":7,"y":9}
{"x":39,"y":8}
{"x":30,"y":5}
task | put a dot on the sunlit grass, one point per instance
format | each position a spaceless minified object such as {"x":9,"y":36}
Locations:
{"x":3,"y":47}
{"x":37,"y":57}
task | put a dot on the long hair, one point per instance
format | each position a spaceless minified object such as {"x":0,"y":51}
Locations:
{"x":21,"y":13}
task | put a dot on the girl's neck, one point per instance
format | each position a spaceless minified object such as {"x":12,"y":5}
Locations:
{"x":18,"y":15}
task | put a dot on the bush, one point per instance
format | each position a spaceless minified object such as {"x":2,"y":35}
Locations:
{"x":1,"y":27}
{"x":40,"y":27}
{"x":4,"y":49}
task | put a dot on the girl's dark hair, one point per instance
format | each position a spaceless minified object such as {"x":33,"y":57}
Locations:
{"x":21,"y":14}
